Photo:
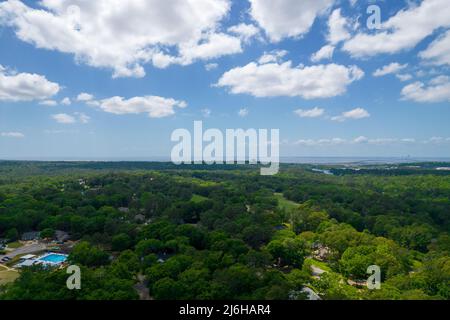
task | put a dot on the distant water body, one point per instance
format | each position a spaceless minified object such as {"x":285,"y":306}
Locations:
{"x":360,"y":160}
{"x":294,"y":160}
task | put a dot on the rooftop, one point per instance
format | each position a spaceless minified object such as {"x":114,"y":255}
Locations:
{"x":28,"y":257}
{"x":28,"y":236}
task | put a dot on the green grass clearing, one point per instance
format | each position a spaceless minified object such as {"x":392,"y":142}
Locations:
{"x":8,"y":276}
{"x":198,"y":198}
{"x":14,"y":245}
{"x":285,"y":204}
{"x":196,"y":181}
{"x":318,"y":264}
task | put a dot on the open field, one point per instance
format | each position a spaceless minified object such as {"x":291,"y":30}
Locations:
{"x":14,"y":245}
{"x":7,"y":275}
{"x":198,"y":198}
{"x":285,"y":204}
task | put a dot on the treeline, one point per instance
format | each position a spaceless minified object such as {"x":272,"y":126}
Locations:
{"x":205,"y":234}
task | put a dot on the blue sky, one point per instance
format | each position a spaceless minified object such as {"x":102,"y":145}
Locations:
{"x":147,"y":68}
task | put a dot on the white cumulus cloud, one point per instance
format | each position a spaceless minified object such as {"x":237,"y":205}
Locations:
{"x":403,"y":31}
{"x":287,"y":18}
{"x":438,"y":52}
{"x":338,"y":27}
{"x":211,"y":66}
{"x":25,"y":86}
{"x":64,"y":118}
{"x":244,"y":31}
{"x":320,"y":142}
{"x":214,"y":46}
{"x":17,"y":135}
{"x":355,"y":114}
{"x":282,"y":79}
{"x":325,"y":53}
{"x":154,"y":106}
{"x":76,"y":117}
{"x":83,"y":97}
{"x":49,"y":103}
{"x":243,"y":112}
{"x":82,"y":118}
{"x":66,"y":101}
{"x":391,"y":68}
{"x":437,"y":90}
{"x":273,"y":56}
{"x":404,"y":77}
{"x":124,"y":35}
{"x":311,"y":113}
{"x":361,"y":139}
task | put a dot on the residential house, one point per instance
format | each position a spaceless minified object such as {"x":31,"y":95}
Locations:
{"x":31,"y":236}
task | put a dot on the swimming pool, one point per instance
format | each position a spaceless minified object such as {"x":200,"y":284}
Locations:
{"x":53,"y":258}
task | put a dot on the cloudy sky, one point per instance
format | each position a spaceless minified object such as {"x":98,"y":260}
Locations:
{"x":113,"y":78}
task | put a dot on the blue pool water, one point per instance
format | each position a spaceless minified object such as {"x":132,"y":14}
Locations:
{"x":54,"y":258}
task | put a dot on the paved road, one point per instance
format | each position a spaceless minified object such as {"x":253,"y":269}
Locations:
{"x":27,"y":249}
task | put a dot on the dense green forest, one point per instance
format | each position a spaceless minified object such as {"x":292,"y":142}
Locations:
{"x":226,"y":232}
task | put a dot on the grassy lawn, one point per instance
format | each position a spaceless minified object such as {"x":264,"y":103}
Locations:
{"x":197,"y":198}
{"x":199,"y":182}
{"x":318,"y":264}
{"x":203,"y":183}
{"x":285,"y":204}
{"x":7,"y":276}
{"x":14,"y":245}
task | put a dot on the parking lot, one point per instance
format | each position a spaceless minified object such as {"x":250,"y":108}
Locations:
{"x":26,"y":249}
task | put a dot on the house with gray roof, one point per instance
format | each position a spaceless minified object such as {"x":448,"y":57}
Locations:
{"x":31,"y":236}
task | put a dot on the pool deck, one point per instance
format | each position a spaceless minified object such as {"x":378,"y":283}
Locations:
{"x":41,"y":261}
